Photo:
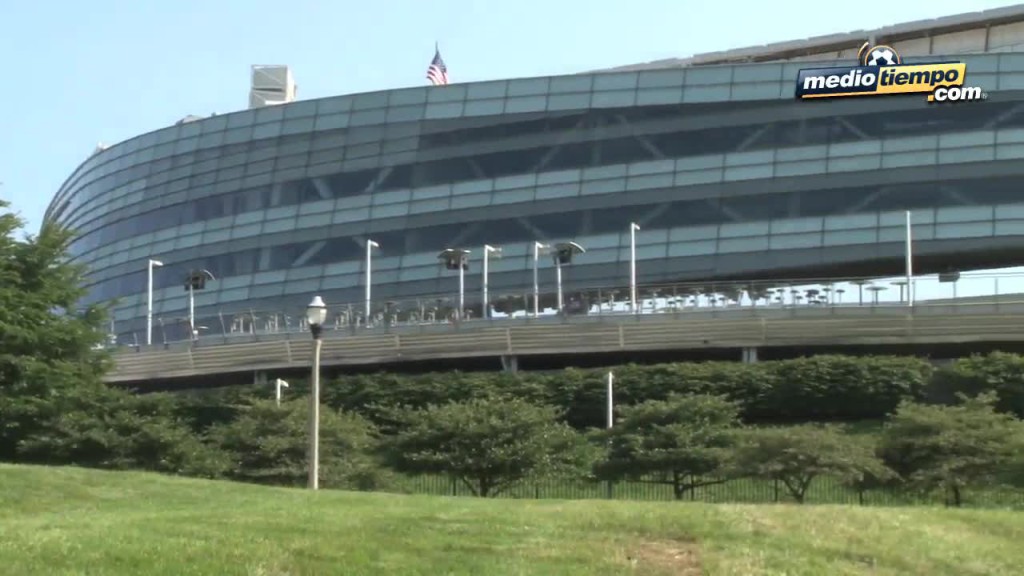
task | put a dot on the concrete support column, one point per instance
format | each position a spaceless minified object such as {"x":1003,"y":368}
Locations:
{"x":750,"y":355}
{"x":259,"y":378}
{"x":510,"y":364}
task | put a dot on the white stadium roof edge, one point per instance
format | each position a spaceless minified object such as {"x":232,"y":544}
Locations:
{"x":822,"y":45}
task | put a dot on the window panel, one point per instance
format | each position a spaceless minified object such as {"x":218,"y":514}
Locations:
{"x":351,"y":215}
{"x":655,"y":96}
{"x":446,"y":110}
{"x":557,"y":191}
{"x":513,"y":196}
{"x":751,"y":244}
{"x":603,"y":186}
{"x":447,"y":93}
{"x":487,"y":90}
{"x":748,"y":172}
{"x":706,"y":93}
{"x":470,"y":201}
{"x":963,"y":214}
{"x":800,"y":168}
{"x":434,"y":205}
{"x":330,"y":122}
{"x":977,"y":154}
{"x":847,"y":237}
{"x":757,"y":91}
{"x":300,"y":109}
{"x":405,"y":114}
{"x":698,"y":177}
{"x":368,"y":117}
{"x":661,"y":78}
{"x":298,"y":125}
{"x":697,"y":248}
{"x":920,"y":158}
{"x":484,"y":107}
{"x":390,"y":211}
{"x":313,"y":220}
{"x":619,"y":98}
{"x":525,"y":104}
{"x":854,"y":164}
{"x":569,"y":101}
{"x":794,"y":241}
{"x":743,"y":229}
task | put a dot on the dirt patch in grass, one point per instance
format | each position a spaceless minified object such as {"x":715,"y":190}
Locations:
{"x":673,"y":557}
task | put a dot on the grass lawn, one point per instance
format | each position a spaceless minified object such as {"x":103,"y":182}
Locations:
{"x":73,"y":521}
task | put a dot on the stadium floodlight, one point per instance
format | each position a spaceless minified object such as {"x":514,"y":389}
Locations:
{"x":457,"y":259}
{"x":563,"y":254}
{"x":149,"y":299}
{"x":488,"y":250}
{"x":537,"y":247}
{"x":316,"y":314}
{"x":370,"y":245}
{"x":195,"y":280}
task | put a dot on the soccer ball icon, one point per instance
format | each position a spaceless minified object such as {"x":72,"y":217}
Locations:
{"x":882,"y":56}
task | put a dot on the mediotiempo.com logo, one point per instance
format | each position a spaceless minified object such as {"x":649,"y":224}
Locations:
{"x":882,"y":71}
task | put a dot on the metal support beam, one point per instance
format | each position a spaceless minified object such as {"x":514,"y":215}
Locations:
{"x":849,"y":125}
{"x":754,"y":137}
{"x":382,"y":175}
{"x":323,"y":188}
{"x":510,"y":364}
{"x":561,"y":141}
{"x":642,"y":139}
{"x":999,"y":119}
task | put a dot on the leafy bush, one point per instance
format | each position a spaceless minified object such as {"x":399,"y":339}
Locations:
{"x":268,"y":444}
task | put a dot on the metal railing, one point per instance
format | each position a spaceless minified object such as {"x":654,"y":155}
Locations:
{"x":740,"y":328}
{"x":757,"y":296}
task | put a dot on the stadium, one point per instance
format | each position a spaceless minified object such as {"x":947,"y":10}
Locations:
{"x":706,"y":179}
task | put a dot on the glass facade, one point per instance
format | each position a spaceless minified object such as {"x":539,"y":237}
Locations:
{"x":726,"y":173}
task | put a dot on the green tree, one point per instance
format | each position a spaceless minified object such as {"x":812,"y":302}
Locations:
{"x":796,"y":455}
{"x":683,"y":442}
{"x":489,"y":444}
{"x":121,"y":431}
{"x":268,"y":444}
{"x":50,"y":363}
{"x":951,"y":448}
{"x":998,"y":372}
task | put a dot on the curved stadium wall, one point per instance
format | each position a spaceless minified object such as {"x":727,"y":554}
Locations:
{"x":727,"y":174}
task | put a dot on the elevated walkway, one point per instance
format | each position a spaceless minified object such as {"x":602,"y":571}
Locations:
{"x":738,"y":328}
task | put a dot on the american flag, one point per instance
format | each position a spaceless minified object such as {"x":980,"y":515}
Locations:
{"x":437,"y":72}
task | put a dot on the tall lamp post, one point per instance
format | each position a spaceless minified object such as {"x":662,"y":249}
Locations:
{"x":149,"y":299}
{"x":562,"y":254}
{"x":196,"y":280}
{"x":370,"y":245}
{"x":537,"y":247}
{"x":633,"y":227}
{"x":488,"y":249}
{"x":316,"y":313}
{"x":457,"y":259}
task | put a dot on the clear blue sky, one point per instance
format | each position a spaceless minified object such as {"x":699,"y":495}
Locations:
{"x":75,"y":73}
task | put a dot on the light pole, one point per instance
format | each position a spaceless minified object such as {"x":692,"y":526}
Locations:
{"x":910,"y":262}
{"x":537,"y":247}
{"x":457,"y":259}
{"x":149,"y":299}
{"x":370,"y":245}
{"x":196,"y":280}
{"x":278,"y":384}
{"x":562,"y":254}
{"x":610,"y":416}
{"x":633,"y":227}
{"x":316,"y":313}
{"x":497,"y":251}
